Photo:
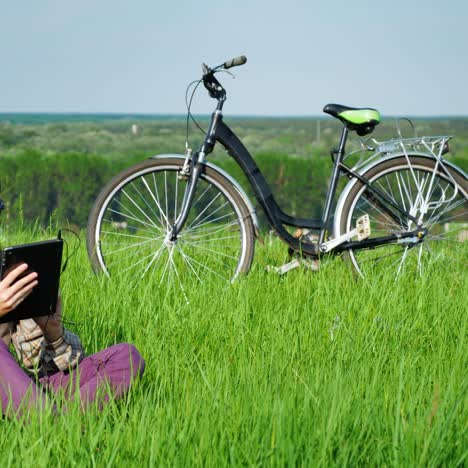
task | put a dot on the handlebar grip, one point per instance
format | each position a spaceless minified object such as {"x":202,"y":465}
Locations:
{"x":235,"y":62}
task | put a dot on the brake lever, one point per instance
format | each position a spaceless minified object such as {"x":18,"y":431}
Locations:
{"x":228,"y":72}
{"x":206,"y":69}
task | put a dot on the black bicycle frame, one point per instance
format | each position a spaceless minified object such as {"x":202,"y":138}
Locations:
{"x":275,"y":215}
{"x":221,"y":133}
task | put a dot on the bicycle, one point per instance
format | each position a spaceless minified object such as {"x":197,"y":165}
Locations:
{"x":182,"y":218}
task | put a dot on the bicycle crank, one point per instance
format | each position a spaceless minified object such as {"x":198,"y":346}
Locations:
{"x":361,"y":231}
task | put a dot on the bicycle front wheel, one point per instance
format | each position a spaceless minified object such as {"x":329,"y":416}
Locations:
{"x":129,"y":228}
{"x":435,"y":195}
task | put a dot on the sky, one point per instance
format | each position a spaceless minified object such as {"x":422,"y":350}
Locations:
{"x":402,"y":57}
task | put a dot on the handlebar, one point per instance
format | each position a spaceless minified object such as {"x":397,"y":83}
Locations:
{"x":235,"y":62}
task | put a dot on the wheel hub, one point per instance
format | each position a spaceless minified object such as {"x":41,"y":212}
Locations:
{"x":170,"y":241}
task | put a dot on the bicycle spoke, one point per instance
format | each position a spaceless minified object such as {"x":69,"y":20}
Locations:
{"x":167,"y":200}
{"x":436,"y":219}
{"x":198,"y":199}
{"x":171,"y":255}
{"x":215,"y":238}
{"x":137,"y":206}
{"x":402,"y":261}
{"x":157,"y":198}
{"x":380,"y":258}
{"x":129,"y":227}
{"x":128,"y":247}
{"x":187,"y":260}
{"x":445,"y":233}
{"x":123,"y":259}
{"x":190,"y":226}
{"x":402,"y":188}
{"x":176,"y":192}
{"x":151,"y":209}
{"x":155,"y":257}
{"x":392,"y":222}
{"x":164,"y":271}
{"x":198,"y":226}
{"x":121,"y":234}
{"x":161,"y":213}
{"x":420,"y":266}
{"x":205,"y":249}
{"x":209,"y":258}
{"x":209,"y":231}
{"x":206,"y":268}
{"x":133,"y":217}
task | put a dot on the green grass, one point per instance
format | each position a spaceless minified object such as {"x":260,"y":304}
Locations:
{"x":308,"y":369}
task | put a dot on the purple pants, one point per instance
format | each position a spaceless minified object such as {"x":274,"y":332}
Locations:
{"x":113,"y":368}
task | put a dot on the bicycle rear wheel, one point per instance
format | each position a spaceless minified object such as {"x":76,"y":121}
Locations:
{"x":436,"y":196}
{"x":130,"y":224}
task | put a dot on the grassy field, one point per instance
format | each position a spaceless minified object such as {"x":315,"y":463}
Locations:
{"x":311,"y":369}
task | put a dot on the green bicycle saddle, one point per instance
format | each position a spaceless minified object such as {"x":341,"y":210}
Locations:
{"x":363,"y":121}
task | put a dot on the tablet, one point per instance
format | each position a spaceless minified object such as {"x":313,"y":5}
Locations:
{"x":45,"y":258}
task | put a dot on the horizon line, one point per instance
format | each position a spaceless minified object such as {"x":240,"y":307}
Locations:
{"x":184,"y":115}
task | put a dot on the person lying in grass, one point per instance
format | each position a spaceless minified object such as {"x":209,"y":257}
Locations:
{"x":54,"y":358}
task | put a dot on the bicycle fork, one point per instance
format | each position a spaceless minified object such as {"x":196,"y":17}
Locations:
{"x":194,"y":165}
{"x":192,"y":169}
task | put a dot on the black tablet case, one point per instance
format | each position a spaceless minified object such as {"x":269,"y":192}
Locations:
{"x":45,"y":258}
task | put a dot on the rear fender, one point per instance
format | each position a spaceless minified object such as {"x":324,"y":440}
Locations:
{"x":364,"y":169}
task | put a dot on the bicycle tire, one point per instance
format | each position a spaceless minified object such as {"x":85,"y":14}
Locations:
{"x":445,"y":220}
{"x":135,"y":214}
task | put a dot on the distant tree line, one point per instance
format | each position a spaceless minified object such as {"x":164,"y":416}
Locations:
{"x":38,"y":188}
{"x":72,"y":160}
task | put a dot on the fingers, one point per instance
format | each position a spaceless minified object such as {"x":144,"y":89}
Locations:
{"x":13,"y":290}
{"x":10,"y":299}
{"x":11,"y":277}
{"x":19,"y":297}
{"x":23,"y":283}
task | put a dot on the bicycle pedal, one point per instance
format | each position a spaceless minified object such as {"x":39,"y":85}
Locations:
{"x":296,"y":263}
{"x":363,"y":229}
{"x":283,"y":269}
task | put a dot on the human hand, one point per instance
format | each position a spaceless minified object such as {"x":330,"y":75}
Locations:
{"x":51,"y":325}
{"x":13,"y":290}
